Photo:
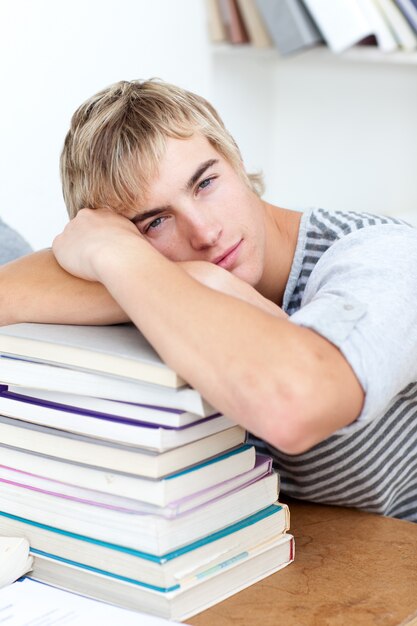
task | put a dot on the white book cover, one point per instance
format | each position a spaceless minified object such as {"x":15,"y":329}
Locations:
{"x":14,"y":560}
{"x":384,"y":36}
{"x":406,"y":37}
{"x":48,"y":377}
{"x":147,"y":533}
{"x":341,"y":22}
{"x":111,"y":428}
{"x":115,"y":456}
{"x":119,"y":350}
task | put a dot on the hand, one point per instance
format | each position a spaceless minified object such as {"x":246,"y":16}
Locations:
{"x":221,"y":280}
{"x":93,"y":235}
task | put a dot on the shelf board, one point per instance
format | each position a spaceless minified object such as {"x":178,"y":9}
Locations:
{"x":362,"y":54}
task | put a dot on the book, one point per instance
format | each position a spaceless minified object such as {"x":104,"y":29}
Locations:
{"x":409,"y":10}
{"x":176,"y":506}
{"x":342,"y":23}
{"x":146,"y":533}
{"x":164,"y":572}
{"x":14,"y":558}
{"x":120,"y":349}
{"x":31,"y":602}
{"x":385,"y":39}
{"x":113,"y":456}
{"x":233,"y":23}
{"x":289,"y":24}
{"x":406,"y":37}
{"x":115,"y":428}
{"x":20,"y":466}
{"x":131,"y":394}
{"x":216,"y":27}
{"x":129,"y":411}
{"x":255,"y":26}
{"x":208,"y":589}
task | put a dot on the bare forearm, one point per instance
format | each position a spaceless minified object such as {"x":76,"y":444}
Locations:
{"x":35,"y":288}
{"x":284,"y":383}
{"x":276,"y":379}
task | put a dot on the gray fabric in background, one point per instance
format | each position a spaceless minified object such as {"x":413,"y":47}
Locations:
{"x":12,"y":245}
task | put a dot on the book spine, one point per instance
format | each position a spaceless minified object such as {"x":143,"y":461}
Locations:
{"x":409,"y":11}
{"x":289,"y":24}
{"x":233,"y":22}
{"x":341,"y":22}
{"x":255,"y":26}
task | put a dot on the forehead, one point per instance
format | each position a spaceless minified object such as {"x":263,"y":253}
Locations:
{"x":180,"y":161}
{"x":182,"y":155}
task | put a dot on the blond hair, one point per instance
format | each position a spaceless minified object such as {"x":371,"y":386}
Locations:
{"x":117,"y":138}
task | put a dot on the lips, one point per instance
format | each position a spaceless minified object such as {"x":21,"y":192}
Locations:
{"x":226,"y":258}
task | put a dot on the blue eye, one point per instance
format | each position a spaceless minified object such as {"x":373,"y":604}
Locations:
{"x":154,"y":224}
{"x":205,"y":183}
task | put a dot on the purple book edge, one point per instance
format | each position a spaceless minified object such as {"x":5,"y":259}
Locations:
{"x":263,"y":465}
{"x":66,"y":408}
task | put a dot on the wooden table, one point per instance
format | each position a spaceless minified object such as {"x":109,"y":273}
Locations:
{"x":350,"y":568}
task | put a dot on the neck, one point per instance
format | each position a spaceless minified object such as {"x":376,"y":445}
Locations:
{"x":281,"y":227}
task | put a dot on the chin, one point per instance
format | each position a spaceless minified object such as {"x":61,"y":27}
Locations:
{"x":246,"y":275}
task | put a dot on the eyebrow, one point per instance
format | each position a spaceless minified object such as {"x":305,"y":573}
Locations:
{"x":141,"y":217}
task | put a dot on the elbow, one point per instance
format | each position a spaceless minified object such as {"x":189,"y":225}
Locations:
{"x":286,"y":419}
{"x":289,"y":433}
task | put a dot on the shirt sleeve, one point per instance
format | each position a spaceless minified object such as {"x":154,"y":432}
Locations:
{"x":362,"y":296}
{"x":12,"y":245}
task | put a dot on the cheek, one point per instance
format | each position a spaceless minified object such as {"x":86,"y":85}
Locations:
{"x":171,"y":248}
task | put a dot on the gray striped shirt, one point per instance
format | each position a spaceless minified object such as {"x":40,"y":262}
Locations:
{"x":357,"y":286}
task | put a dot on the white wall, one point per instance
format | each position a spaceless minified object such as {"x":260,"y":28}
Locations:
{"x":326,"y":131}
{"x":55,"y":54}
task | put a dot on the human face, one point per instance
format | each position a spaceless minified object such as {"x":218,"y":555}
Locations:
{"x":199,"y":208}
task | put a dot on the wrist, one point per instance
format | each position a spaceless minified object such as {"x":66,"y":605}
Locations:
{"x":122,"y":257}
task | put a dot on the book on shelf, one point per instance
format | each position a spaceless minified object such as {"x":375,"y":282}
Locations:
{"x":20,"y":466}
{"x":409,"y":10}
{"x":255,"y":26}
{"x":381,"y":30}
{"x":148,"y":533}
{"x":216,"y":27}
{"x":289,"y":24}
{"x":180,"y":604}
{"x":14,"y":558}
{"x":234,"y":25}
{"x":404,"y":34}
{"x":120,"y":349}
{"x":111,"y":427}
{"x":114,"y":456}
{"x":92,"y":386}
{"x":163,"y":572}
{"x":342,"y":23}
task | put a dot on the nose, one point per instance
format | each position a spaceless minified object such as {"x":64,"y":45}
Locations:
{"x":204,"y":233}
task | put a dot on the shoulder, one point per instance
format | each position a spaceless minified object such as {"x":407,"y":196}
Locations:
{"x":389,"y":247}
{"x":324,"y":235}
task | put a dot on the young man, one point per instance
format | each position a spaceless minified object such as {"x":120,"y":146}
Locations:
{"x":301,"y":327}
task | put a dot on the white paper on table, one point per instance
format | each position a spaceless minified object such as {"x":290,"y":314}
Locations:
{"x":28,"y":602}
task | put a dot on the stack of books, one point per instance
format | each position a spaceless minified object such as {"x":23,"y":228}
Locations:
{"x":129,"y":486}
